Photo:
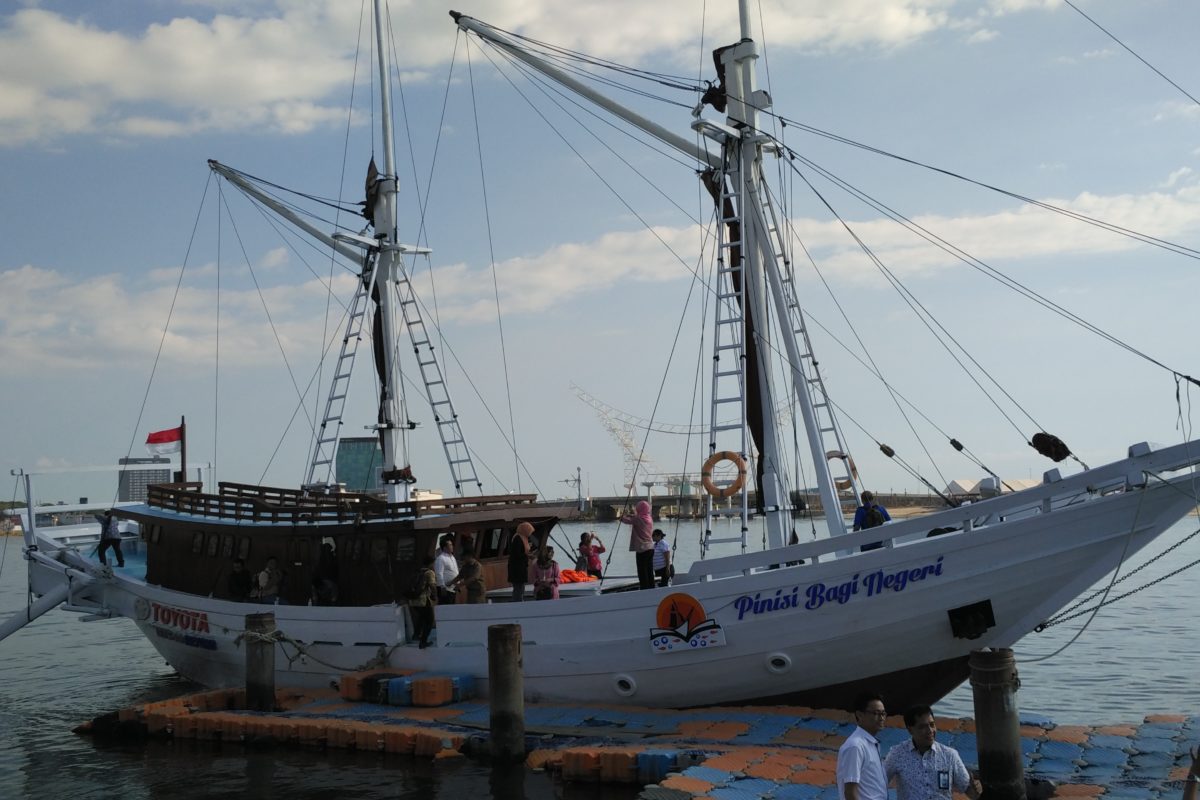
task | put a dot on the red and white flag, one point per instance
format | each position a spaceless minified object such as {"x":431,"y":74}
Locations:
{"x":160,"y":443}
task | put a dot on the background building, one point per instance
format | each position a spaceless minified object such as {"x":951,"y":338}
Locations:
{"x":359,"y":464}
{"x":131,"y":484}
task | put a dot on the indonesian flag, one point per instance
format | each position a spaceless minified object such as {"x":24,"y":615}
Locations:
{"x":160,"y":443}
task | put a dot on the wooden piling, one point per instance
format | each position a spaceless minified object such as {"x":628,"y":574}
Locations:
{"x":260,"y":662}
{"x":506,"y":693}
{"x":994,"y":685}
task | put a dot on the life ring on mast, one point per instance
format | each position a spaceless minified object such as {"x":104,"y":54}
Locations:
{"x":843,"y":485}
{"x":706,"y":472}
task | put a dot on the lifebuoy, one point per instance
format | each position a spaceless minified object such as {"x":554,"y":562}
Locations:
{"x":843,"y":485}
{"x":707,"y":470}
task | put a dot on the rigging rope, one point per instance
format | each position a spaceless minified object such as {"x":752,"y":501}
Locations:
{"x":487,"y":215}
{"x":266,"y":311}
{"x":217,"y":337}
{"x":333,"y":262}
{"x":1124,"y":552}
{"x":841,"y":309}
{"x":1073,"y":612}
{"x":1129,"y":50}
{"x":930,"y":321}
{"x":167,"y":325}
{"x":7,"y":534}
{"x":563,"y":55}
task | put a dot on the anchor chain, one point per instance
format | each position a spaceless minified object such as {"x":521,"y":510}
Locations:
{"x":1074,"y":611}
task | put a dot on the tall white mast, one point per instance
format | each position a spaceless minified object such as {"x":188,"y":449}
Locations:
{"x":389,"y":264}
{"x":743,"y":141}
{"x":757,"y":260}
{"x":763,"y":279}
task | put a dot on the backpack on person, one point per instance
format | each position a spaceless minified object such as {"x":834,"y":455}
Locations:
{"x":417,"y":586}
{"x":873,"y":518}
{"x":581,"y":563}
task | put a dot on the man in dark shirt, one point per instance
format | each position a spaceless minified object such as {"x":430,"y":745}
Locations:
{"x":870,"y":515}
{"x":239,"y":582}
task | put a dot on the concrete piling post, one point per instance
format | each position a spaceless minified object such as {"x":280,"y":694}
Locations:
{"x":994,"y":685}
{"x":506,"y":693}
{"x":260,"y":662}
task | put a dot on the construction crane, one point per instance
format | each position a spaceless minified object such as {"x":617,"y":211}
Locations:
{"x":623,"y":427}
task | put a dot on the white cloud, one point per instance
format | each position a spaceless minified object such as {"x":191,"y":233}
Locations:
{"x":274,"y":259}
{"x":284,"y":66}
{"x":981,"y":36}
{"x":1177,"y":109}
{"x":1001,"y":7}
{"x":1175,"y":177}
{"x":50,"y":321}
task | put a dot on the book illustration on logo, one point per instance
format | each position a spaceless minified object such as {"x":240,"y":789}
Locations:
{"x":683,"y":625}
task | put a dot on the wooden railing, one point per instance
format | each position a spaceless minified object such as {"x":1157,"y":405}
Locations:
{"x":245,"y":502}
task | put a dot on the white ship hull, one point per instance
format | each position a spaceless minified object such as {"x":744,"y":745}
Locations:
{"x":803,"y":633}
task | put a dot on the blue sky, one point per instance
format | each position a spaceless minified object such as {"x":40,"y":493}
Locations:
{"x":109,"y":111}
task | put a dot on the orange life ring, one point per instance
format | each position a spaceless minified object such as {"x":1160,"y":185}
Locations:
{"x":843,"y":485}
{"x":707,"y":470}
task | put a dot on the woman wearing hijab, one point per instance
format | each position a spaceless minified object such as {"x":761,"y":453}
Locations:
{"x":546,"y":575}
{"x":518,"y":561}
{"x":641,"y":542}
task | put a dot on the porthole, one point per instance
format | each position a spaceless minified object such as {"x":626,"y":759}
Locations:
{"x":779,"y":663}
{"x":625,"y":685}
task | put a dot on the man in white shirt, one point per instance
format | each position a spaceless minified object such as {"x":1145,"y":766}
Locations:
{"x":860,"y":773}
{"x":923,"y":768}
{"x":445,"y":571}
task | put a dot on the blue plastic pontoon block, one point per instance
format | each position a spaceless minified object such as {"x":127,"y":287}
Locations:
{"x":1105,"y":756}
{"x":717,"y":777}
{"x":653,"y":765}
{"x":1064,"y":751}
{"x":1110,"y":741}
{"x":399,"y":691}
{"x":1054,"y":769}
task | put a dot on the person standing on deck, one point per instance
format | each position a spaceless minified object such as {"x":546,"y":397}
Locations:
{"x":641,"y":542}
{"x":870,"y":515}
{"x":923,"y":768}
{"x":662,"y":557}
{"x":421,"y":604}
{"x":241,"y":582}
{"x":110,"y":536}
{"x":546,"y":575}
{"x":445,"y":570}
{"x":590,"y":548}
{"x":860,"y":774}
{"x":268,"y":582}
{"x":518,"y":561}
{"x":471,"y":576}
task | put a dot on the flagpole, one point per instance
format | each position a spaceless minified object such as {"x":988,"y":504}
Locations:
{"x":183,"y":449}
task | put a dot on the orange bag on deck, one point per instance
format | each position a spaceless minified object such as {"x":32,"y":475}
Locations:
{"x":574,"y":576}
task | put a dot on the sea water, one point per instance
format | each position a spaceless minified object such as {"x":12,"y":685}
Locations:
{"x":1135,"y":657}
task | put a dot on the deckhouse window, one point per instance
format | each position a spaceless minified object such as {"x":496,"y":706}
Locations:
{"x":300,"y":551}
{"x":406,"y":548}
{"x":198,"y":543}
{"x":379,"y":550}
